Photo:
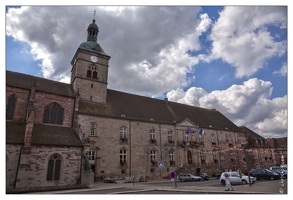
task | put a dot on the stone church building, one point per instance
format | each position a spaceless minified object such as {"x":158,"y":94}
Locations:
{"x":49,"y":125}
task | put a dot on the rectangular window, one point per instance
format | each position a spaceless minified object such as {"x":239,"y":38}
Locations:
{"x":91,"y":155}
{"x":153,"y":156}
{"x":202,"y":157}
{"x":229,"y":140}
{"x":93,"y":129}
{"x":152,"y":134}
{"x":213,"y":138}
{"x":123,"y":132}
{"x":170,"y":136}
{"x":171,"y":155}
{"x":215,"y":156}
{"x":122,"y":155}
{"x":186,"y":138}
{"x":232,"y":155}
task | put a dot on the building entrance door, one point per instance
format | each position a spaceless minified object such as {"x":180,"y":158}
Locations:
{"x":189,"y":159}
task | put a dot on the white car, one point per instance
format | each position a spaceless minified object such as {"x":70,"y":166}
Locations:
{"x":235,"y":178}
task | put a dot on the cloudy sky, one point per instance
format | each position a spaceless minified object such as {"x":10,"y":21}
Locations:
{"x":231,"y":58}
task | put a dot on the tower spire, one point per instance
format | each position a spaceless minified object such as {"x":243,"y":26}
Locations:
{"x":95,"y":15}
{"x":93,"y":30}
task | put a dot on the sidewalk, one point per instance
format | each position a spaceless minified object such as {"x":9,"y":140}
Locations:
{"x":260,"y":188}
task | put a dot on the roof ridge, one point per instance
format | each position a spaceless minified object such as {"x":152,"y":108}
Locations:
{"x":138,"y":95}
{"x":32,"y":76}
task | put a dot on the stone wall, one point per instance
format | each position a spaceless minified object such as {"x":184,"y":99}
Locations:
{"x":32,"y":173}
{"x":41,"y":100}
{"x":44,"y":99}
{"x":138,"y":148}
{"x":21,"y":102}
{"x":90,"y":89}
{"x":12,"y":157}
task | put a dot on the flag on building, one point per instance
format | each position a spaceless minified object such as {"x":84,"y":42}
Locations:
{"x":202,"y":132}
{"x":189,"y":130}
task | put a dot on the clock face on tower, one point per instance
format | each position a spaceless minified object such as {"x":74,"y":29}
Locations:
{"x":94,"y":58}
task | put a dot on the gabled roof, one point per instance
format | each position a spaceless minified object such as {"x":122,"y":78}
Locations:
{"x":25,"y":81}
{"x":135,"y":107}
{"x":129,"y":106}
{"x":42,"y":135}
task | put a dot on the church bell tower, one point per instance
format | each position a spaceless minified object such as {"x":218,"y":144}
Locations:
{"x":89,"y":74}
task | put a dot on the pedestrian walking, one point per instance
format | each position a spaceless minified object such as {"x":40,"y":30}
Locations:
{"x":228,"y":182}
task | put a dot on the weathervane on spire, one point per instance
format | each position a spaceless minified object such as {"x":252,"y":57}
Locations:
{"x":94,"y":14}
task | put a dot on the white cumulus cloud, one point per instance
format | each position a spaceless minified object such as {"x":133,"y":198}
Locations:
{"x":248,"y":105}
{"x":240,"y":37}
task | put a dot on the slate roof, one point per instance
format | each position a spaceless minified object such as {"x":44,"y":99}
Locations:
{"x":251,"y":136}
{"x":133,"y":107}
{"x":278,"y":142}
{"x":25,"y":81}
{"x":42,"y":135}
{"x":93,"y":47}
{"x":15,"y":132}
{"x":141,"y":108}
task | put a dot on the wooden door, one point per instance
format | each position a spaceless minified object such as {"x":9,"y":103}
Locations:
{"x":189,"y":159}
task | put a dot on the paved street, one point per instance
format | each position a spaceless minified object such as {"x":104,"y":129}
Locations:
{"x":212,"y":186}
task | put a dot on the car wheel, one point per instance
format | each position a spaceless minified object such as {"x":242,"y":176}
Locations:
{"x":223,"y":182}
{"x":193,"y":179}
{"x":244,"y":182}
{"x":272,"y":178}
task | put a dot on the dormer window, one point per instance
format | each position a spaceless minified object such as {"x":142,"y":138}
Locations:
{"x":256,"y":141}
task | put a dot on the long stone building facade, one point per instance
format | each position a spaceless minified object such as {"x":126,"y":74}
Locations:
{"x":50,"y":125}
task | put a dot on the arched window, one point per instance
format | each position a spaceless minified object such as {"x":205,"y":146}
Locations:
{"x":92,"y":72}
{"x":95,"y":74}
{"x":53,"y":114}
{"x":89,"y":73}
{"x":10,"y":107}
{"x":54,"y":168}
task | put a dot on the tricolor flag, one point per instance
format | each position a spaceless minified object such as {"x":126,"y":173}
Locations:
{"x":201,"y":132}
